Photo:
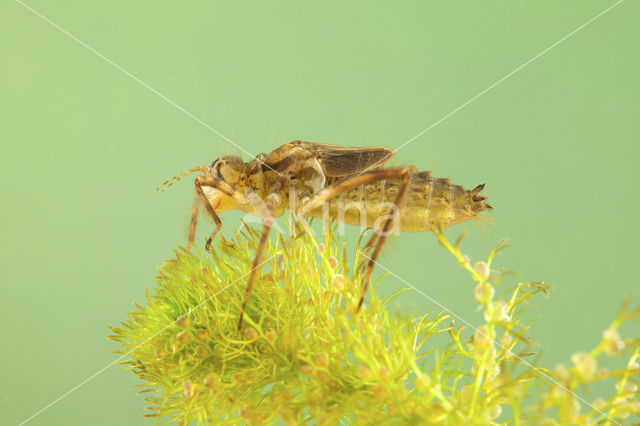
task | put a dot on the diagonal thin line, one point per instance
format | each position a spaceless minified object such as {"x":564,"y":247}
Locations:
{"x":76,"y":387}
{"x":493,"y":340}
{"x":142,"y":83}
{"x":492,"y":86}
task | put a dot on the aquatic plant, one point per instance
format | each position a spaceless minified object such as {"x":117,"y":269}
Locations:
{"x":304,"y":354}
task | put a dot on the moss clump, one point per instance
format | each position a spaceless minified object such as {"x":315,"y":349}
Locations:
{"x":305,"y":355}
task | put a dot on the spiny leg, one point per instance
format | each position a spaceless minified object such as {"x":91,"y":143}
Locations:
{"x":271,"y":205}
{"x":225,"y":188}
{"x":382,"y":237}
{"x":207,"y":245}
{"x":352,"y":182}
{"x":216,"y":219}
{"x":194,"y":222}
{"x":208,"y":181}
{"x":348,"y":184}
{"x":200,"y":182}
{"x":267,"y":224}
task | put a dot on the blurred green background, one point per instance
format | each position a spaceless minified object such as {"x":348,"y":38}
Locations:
{"x":84,"y":145}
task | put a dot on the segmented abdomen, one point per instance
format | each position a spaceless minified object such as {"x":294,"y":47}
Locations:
{"x":428,"y":204}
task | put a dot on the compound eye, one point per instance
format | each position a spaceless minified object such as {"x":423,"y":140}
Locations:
{"x":215,"y":169}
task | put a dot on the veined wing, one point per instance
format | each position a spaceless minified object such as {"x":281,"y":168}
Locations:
{"x":337,"y":160}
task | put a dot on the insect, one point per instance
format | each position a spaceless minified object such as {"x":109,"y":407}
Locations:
{"x":349,"y":185}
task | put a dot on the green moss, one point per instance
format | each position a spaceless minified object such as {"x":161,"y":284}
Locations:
{"x":304,"y":354}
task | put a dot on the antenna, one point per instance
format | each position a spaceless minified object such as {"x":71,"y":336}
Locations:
{"x":167,"y":183}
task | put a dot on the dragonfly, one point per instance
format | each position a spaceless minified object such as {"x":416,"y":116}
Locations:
{"x":350,"y":185}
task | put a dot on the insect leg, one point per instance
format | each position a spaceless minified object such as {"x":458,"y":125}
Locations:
{"x":213,"y":183}
{"x":267,"y":223}
{"x":348,"y":184}
{"x":194,"y":222}
{"x":352,"y":182}
{"x":222,"y":186}
{"x":382,"y":237}
{"x":271,"y":204}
